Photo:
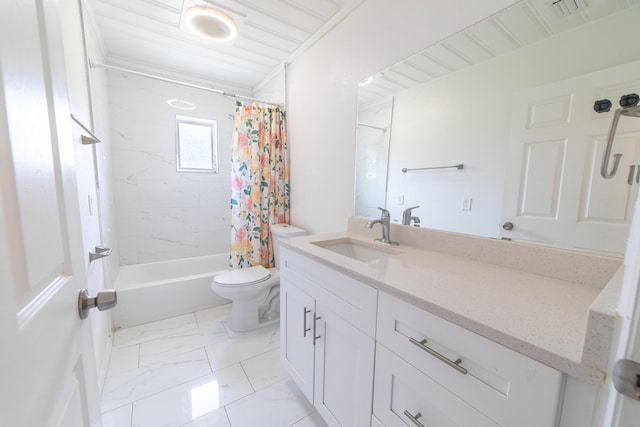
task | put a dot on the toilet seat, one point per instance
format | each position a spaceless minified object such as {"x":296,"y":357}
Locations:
{"x":243,"y":276}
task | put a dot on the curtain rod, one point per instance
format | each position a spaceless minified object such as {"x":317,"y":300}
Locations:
{"x":179,"y":82}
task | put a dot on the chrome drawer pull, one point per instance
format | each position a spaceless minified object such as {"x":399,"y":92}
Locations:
{"x":304,"y":322}
{"x":414,"y":418}
{"x":454,"y":364}
{"x":315,"y":337}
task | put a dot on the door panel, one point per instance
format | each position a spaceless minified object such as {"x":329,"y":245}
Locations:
{"x":541,"y":178}
{"x":46,"y":363}
{"x":343,"y":371}
{"x":297,"y":310}
{"x":554,"y":193}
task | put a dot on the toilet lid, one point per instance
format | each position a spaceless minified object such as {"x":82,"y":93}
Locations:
{"x":242,"y":276}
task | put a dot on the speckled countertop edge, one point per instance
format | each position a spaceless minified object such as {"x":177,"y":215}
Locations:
{"x":463,"y":294}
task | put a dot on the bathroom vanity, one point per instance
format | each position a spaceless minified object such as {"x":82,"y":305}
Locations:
{"x":446,"y":329}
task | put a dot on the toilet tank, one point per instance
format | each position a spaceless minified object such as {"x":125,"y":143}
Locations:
{"x":283,"y":231}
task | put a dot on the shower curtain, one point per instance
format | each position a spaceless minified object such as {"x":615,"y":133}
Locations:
{"x":259,"y":183}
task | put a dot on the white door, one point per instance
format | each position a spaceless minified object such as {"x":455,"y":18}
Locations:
{"x":47,"y":366}
{"x":554,"y":194}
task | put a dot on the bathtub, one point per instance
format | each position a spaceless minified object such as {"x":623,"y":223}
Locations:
{"x":158,"y":290}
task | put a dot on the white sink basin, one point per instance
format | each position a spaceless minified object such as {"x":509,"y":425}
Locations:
{"x":354,"y":250}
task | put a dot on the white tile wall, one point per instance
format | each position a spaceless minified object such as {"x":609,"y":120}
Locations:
{"x":163,"y":214}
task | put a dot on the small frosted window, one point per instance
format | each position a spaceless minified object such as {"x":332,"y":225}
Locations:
{"x":196,"y":145}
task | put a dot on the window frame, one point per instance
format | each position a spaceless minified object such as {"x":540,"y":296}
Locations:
{"x":213,"y":128}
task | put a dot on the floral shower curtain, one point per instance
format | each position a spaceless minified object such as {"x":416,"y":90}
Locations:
{"x":259,"y":183}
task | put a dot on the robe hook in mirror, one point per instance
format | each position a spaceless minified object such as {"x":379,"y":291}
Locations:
{"x":629,"y":104}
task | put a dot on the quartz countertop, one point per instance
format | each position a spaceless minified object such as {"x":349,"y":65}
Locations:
{"x":565,"y":324}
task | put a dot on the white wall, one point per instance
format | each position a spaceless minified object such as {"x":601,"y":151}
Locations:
{"x":272,"y":89}
{"x":464,"y":118}
{"x":322,"y":95}
{"x":161,"y":213}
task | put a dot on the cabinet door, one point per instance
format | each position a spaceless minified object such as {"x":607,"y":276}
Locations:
{"x":402,"y":392}
{"x":296,"y":339}
{"x":343,"y":371}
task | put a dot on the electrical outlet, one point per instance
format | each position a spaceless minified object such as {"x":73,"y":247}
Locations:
{"x":466,"y":203}
{"x":401,"y":199}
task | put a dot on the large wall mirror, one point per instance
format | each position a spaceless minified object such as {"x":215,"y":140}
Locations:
{"x":511,"y":98}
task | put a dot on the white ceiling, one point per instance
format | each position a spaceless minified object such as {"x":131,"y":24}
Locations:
{"x":148,"y":35}
{"x":522,"y":24}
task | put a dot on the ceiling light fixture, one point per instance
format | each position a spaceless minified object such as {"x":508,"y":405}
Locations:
{"x":181,"y":104}
{"x":211,"y":24}
{"x":365,"y":81}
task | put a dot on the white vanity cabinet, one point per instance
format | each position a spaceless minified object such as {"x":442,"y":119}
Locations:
{"x":328,"y":325}
{"x":440,"y":374}
{"x":428,"y":371}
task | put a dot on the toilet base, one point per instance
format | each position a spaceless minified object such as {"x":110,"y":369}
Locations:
{"x":255,"y":312}
{"x":244,"y":316}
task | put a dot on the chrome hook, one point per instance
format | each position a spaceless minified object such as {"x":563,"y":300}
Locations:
{"x":604,"y":170}
{"x":629,"y":110}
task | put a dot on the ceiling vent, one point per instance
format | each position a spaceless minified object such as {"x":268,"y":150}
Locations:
{"x":567,"y":7}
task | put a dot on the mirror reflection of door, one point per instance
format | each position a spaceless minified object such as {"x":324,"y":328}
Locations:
{"x":554,"y":193}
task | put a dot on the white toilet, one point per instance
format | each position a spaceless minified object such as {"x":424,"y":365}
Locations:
{"x":255,"y":291}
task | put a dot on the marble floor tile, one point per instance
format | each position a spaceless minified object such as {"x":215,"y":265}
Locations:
{"x":123,"y":359}
{"x":129,"y":386}
{"x":192,"y":371}
{"x":281,"y":404}
{"x":217,"y":418}
{"x":119,"y":417}
{"x":243,"y":346}
{"x":222,"y":313}
{"x":157,"y":350}
{"x":265,"y":369}
{"x":189,"y":401}
{"x":153,"y":330}
{"x":313,"y":420}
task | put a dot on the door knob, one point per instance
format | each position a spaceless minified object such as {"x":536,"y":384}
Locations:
{"x":626,"y":378}
{"x":507,"y":226}
{"x":104,"y":300}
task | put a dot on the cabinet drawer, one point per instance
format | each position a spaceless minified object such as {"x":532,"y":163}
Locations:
{"x":507,"y":387}
{"x":402,"y":391}
{"x":351,"y":299}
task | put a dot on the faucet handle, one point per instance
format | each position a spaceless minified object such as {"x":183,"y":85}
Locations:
{"x":410,"y":209}
{"x":385,"y":213}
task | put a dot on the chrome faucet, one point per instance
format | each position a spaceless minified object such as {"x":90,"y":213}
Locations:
{"x":407,"y":218}
{"x":385,"y":222}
